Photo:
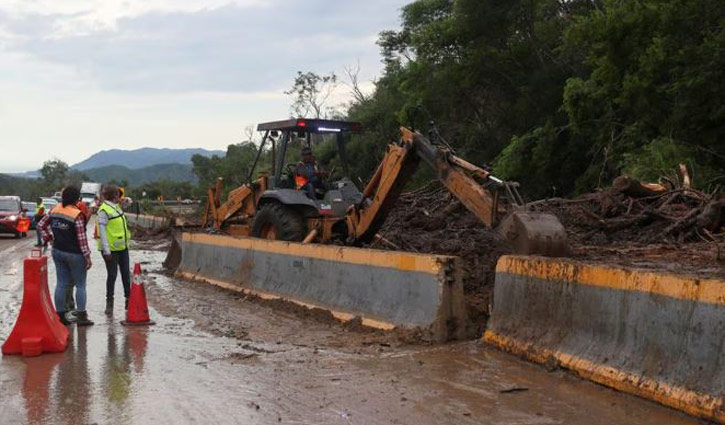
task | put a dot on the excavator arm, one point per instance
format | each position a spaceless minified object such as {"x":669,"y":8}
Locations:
{"x":476,"y":188}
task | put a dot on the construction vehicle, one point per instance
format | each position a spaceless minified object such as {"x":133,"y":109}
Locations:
{"x":277,"y":207}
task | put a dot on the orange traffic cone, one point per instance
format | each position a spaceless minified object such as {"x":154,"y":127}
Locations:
{"x":138,"y":310}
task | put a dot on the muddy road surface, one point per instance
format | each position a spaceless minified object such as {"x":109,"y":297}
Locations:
{"x":216,"y":357}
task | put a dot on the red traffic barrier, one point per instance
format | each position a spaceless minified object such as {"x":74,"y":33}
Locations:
{"x":138,"y":309}
{"x":37,"y":329}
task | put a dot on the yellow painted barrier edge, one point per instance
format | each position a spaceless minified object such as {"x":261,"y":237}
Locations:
{"x":691,"y":402}
{"x":339,"y":315}
{"x":711,"y":291}
{"x":429,"y":264}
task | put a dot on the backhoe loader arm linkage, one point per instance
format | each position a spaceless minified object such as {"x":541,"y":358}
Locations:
{"x":477,"y":189}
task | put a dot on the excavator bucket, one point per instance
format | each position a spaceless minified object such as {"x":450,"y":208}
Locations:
{"x":173,"y":257}
{"x":531,"y":233}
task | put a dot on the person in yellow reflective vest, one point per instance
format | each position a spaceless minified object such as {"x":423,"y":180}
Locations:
{"x":39,"y":214}
{"x":113,"y":243}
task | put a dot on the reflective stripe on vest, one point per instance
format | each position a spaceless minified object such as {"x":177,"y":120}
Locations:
{"x":117,"y":231}
{"x":62,"y":224}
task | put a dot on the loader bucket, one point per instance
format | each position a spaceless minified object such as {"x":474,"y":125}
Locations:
{"x":173,"y":257}
{"x":530,"y":233}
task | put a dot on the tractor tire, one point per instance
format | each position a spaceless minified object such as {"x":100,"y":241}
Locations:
{"x":279,"y":222}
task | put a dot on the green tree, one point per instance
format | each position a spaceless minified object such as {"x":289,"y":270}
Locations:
{"x":54,"y":174}
{"x":234,"y":168}
{"x":77,"y":177}
{"x":311,"y":93}
{"x":563,"y":96}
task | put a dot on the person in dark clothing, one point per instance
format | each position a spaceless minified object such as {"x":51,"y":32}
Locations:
{"x":66,"y":227}
{"x":69,"y":299}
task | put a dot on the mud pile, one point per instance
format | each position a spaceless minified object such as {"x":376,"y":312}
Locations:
{"x":677,"y":230}
{"x":430,"y":220}
{"x":612,"y":216}
{"x":152,"y":240}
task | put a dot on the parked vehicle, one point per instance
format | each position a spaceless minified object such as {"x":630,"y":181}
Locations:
{"x":13,"y":219}
{"x":29,"y":208}
{"x":90,"y":194}
{"x":50,"y":203}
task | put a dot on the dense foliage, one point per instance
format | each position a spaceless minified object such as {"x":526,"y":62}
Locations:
{"x":560,"y":95}
{"x":54,"y":175}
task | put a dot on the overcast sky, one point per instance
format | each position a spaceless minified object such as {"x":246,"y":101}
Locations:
{"x":80,"y":76}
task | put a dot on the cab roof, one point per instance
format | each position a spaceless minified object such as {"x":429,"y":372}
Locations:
{"x":311,"y":126}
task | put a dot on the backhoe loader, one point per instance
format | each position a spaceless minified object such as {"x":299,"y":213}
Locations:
{"x":278,"y":207}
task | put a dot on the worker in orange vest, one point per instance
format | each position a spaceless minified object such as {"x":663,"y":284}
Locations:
{"x":69,"y":298}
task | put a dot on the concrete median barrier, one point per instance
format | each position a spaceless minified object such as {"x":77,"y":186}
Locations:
{"x":386,"y":290}
{"x":659,"y":336}
{"x":149,"y":222}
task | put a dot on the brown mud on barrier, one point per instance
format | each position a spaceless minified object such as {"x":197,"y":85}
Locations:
{"x":658,"y":336}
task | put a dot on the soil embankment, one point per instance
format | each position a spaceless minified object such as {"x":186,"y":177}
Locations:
{"x":679,"y":231}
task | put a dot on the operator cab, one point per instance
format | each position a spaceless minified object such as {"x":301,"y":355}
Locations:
{"x":297,"y":180}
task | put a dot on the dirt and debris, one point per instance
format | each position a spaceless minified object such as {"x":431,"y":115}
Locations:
{"x":673,"y":229}
{"x":633,"y":223}
{"x":431,"y":220}
{"x":636,"y":224}
{"x":612,"y":216}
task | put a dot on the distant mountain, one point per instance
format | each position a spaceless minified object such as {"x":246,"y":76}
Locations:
{"x":26,"y":175}
{"x":136,"y":177}
{"x":141,"y":158}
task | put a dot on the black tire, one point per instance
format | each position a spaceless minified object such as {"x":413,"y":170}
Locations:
{"x":279,"y":222}
{"x":18,"y":235}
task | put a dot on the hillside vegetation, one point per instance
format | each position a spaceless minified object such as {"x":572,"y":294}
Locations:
{"x":562,"y":96}
{"x":137,"y":177}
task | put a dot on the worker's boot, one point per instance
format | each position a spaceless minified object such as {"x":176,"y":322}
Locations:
{"x":109,"y":307}
{"x":82,"y":318}
{"x":63,"y":320}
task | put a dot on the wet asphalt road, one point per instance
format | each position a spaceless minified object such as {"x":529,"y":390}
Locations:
{"x":216,"y":358}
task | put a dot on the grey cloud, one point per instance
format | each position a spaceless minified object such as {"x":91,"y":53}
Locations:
{"x":227,"y":49}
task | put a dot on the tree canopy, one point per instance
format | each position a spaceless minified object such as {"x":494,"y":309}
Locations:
{"x":560,"y":95}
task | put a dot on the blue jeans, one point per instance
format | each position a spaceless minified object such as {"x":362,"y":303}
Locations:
{"x":70,"y":269}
